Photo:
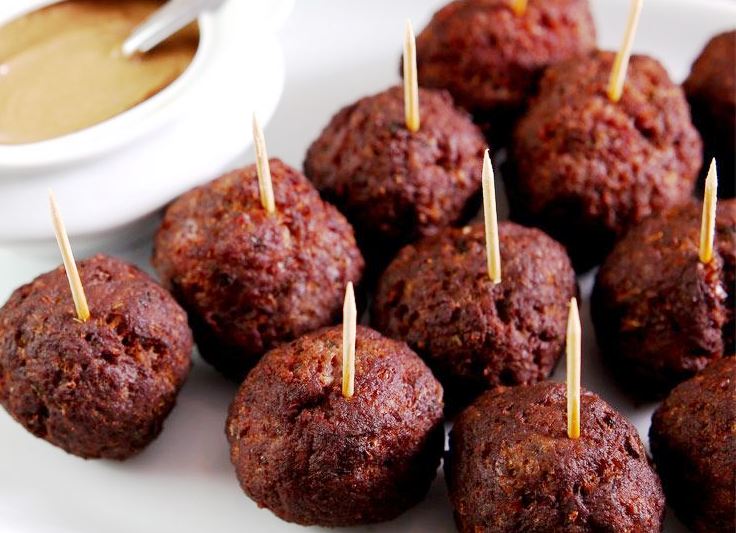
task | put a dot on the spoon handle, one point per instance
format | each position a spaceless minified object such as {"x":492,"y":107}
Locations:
{"x":164,"y":22}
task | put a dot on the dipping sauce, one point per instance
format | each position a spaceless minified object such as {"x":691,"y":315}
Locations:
{"x":62,"y":70}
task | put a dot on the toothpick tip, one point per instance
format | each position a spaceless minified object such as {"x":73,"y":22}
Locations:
{"x":519,"y":7}
{"x":573,"y":305}
{"x":349,"y":334}
{"x":265,"y":185}
{"x":75,"y":283}
{"x":411,"y":81}
{"x":621,"y":62}
{"x":712,"y":178}
{"x":349,"y":292}
{"x":490,"y":218}
{"x":708,"y":221}
{"x":573,"y":355}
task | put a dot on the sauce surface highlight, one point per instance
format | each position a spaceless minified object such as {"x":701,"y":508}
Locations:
{"x":61,"y":68}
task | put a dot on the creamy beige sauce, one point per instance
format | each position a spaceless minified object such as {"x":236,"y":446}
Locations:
{"x":61,"y":68}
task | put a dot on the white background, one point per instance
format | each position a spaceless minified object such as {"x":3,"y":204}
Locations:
{"x":336,"y":51}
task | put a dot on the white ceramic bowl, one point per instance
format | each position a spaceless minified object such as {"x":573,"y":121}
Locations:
{"x":115,"y":173}
{"x":95,"y":140}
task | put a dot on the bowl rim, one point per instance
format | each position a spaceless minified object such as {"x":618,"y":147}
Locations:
{"x":117,"y":131}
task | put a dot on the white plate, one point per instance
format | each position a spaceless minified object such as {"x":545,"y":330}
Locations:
{"x":336,"y":51}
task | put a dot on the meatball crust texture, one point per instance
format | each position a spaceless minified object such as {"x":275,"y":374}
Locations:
{"x":660,"y":314}
{"x":311,"y":456}
{"x":437,"y":296}
{"x":252,"y":280}
{"x":396,"y":186}
{"x":100,"y":388}
{"x":585,"y":169}
{"x":693,"y":439}
{"x":490,"y":59}
{"x":711,"y":91}
{"x":511,"y":467}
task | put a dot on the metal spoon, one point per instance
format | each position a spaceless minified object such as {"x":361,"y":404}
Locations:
{"x":164,"y":22}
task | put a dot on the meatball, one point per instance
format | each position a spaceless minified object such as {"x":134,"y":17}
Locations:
{"x":252,"y":280}
{"x":511,"y":467}
{"x":693,"y":439}
{"x":490,"y":59}
{"x":660,"y":314}
{"x":437,"y":296}
{"x":100,"y":388}
{"x":711,"y":91}
{"x":584,"y":168}
{"x":396,"y":186}
{"x":311,"y":456}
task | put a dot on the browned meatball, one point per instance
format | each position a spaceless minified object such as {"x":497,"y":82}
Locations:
{"x":311,"y":456}
{"x":584,"y":168}
{"x":512,"y":467}
{"x":250,"y":280}
{"x":711,"y":91}
{"x":393,"y":185}
{"x":490,"y":59}
{"x":660,"y":314}
{"x":693,"y":439}
{"x":437,"y":296}
{"x":100,"y":388}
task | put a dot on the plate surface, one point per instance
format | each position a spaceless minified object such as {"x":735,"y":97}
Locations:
{"x":335,"y":52}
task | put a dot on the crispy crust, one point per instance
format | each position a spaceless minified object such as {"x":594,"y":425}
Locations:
{"x":585,"y":169}
{"x":711,"y":91}
{"x":312,"y":457}
{"x":436,"y":296}
{"x":393,"y":185}
{"x":660,"y":314}
{"x":101,"y":388}
{"x":250,"y":280}
{"x":490,"y":59}
{"x":511,"y":467}
{"x":693,"y":439}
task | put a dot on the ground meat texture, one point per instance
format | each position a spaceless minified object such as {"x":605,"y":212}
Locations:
{"x":512,"y":467}
{"x":693,"y":439}
{"x":584,"y":168}
{"x":490,"y":59}
{"x":437,"y":296}
{"x":100,"y":388}
{"x":660,"y":314}
{"x":396,"y":186}
{"x":711,"y":91}
{"x":309,"y":455}
{"x":250,"y":280}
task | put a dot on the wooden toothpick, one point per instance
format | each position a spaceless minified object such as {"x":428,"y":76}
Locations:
{"x":72,"y":274}
{"x":573,"y":370}
{"x":621,"y":63}
{"x":708,"y":225}
{"x":411,"y":80}
{"x":493,"y":249}
{"x":265,"y":186}
{"x":519,"y":6}
{"x":349,"y":326}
